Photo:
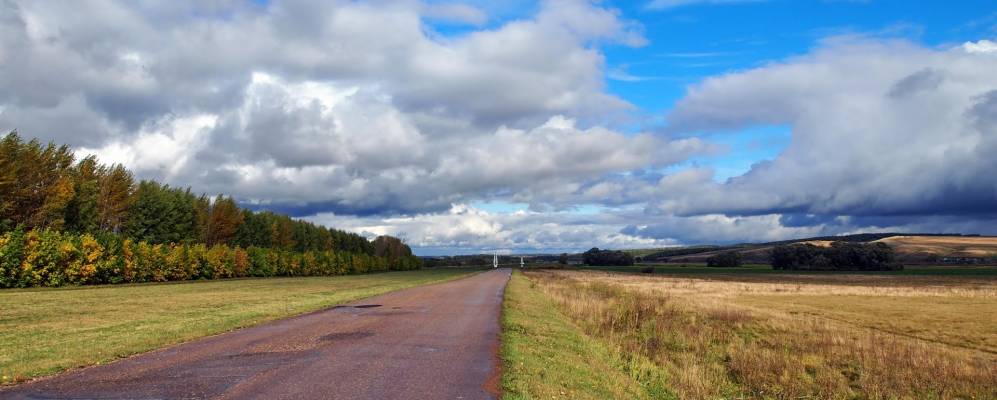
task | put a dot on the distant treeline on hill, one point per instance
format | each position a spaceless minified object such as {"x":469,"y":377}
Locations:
{"x":64,"y":221}
{"x":475,"y":260}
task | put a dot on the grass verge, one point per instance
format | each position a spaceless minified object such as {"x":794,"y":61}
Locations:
{"x":546,"y":356}
{"x":45,"y":331}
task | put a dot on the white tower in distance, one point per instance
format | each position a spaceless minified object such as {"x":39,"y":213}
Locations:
{"x":495,"y":260}
{"x":521,"y":263}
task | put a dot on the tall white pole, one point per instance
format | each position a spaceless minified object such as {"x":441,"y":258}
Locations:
{"x":495,"y":261}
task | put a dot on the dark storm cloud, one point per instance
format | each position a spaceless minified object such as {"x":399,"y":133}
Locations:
{"x":886,"y":136}
{"x":386,"y":206}
{"x":802,"y":220}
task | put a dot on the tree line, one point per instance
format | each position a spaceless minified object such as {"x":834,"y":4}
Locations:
{"x":56,"y":212}
{"x":595,"y":256}
{"x":726,"y":259}
{"x":839,"y":256}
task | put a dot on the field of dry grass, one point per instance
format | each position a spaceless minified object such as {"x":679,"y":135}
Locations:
{"x":830,"y":336}
{"x":944,"y":246}
{"x":819,"y":243}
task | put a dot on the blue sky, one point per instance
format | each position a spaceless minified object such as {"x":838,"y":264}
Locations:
{"x":525,"y":126}
{"x":691,"y":42}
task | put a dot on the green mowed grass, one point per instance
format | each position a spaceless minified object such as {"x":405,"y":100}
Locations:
{"x":545,"y":356}
{"x":45,"y":331}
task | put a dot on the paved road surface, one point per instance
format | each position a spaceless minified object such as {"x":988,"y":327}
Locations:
{"x":431,"y":342}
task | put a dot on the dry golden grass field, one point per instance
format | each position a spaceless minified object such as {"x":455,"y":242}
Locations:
{"x":820,"y":243}
{"x":781,"y":337}
{"x":944,"y":246}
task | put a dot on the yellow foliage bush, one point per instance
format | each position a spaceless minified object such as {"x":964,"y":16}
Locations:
{"x":218,"y":262}
{"x":240,"y":262}
{"x":45,"y":257}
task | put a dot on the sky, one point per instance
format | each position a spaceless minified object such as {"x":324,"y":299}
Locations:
{"x":521,"y":127}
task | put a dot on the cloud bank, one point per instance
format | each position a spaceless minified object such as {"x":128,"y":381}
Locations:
{"x":367,"y":117}
{"x":885,"y":135}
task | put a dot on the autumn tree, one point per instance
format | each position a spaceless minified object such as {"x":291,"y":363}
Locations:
{"x":224,"y":221}
{"x":81,"y":214}
{"x":36,"y":182}
{"x":116,"y":187}
{"x":201,"y":217}
{"x":391,"y":248}
{"x":8,"y":177}
{"x":282,"y":232}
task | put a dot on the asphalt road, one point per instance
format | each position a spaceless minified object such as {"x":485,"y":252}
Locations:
{"x":430,"y":342}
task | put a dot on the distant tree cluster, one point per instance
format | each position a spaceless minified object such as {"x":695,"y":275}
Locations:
{"x":727,"y":259}
{"x":839,"y":256}
{"x":46,"y":193}
{"x":476,"y":260}
{"x":607,"y":257}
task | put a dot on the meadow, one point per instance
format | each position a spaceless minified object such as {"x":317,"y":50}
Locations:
{"x":48,"y":330}
{"x":778,"y":336}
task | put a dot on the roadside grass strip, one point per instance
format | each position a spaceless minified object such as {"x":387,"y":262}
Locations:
{"x":546,"y":356}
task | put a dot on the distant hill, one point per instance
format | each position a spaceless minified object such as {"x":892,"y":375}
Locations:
{"x":652,"y":254}
{"x":910,"y":248}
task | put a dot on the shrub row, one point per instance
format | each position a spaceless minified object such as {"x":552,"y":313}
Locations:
{"x":52,"y":258}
